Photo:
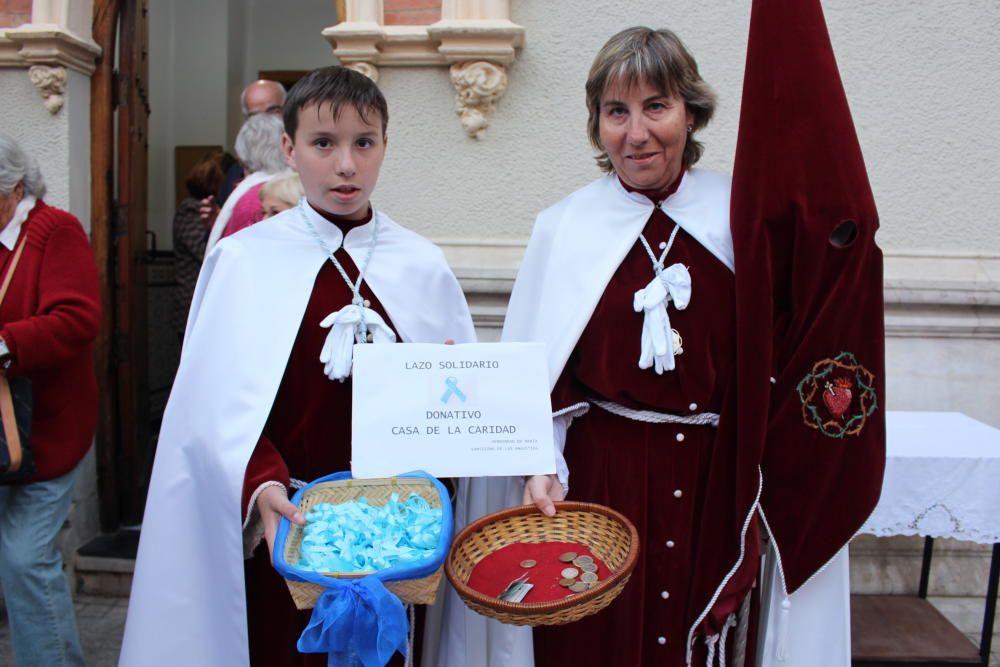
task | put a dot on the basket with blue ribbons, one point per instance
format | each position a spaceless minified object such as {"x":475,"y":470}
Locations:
{"x":359,"y":617}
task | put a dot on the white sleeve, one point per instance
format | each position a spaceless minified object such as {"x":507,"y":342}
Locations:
{"x":561,"y":421}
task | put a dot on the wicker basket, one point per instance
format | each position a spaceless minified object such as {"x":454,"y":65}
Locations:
{"x":610,"y":536}
{"x":377,"y":491}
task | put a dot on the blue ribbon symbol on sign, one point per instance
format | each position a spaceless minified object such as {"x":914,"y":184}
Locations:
{"x":453,"y":390}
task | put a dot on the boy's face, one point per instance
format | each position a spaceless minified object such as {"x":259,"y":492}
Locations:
{"x":338,"y":159}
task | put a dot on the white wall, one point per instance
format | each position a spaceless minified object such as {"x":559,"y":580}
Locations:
{"x":60,"y":142}
{"x":188,"y":93}
{"x":921,"y":77}
{"x":202,"y":54}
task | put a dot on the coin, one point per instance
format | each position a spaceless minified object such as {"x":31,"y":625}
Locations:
{"x":568,"y":557}
{"x":570,"y":573}
{"x":578,"y":587}
{"x":567,"y":582}
{"x":589,"y":567}
{"x":588,"y":578}
{"x":585,"y":559}
{"x":528,"y":563}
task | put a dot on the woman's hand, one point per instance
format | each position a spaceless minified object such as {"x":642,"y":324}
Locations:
{"x":272,"y":504}
{"x":208,"y":211}
{"x":542,"y":490}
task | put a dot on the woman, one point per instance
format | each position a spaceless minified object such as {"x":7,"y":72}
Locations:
{"x":258,"y":145}
{"x":280,"y":194}
{"x":630,"y":282}
{"x":191,"y":233}
{"x":49,"y":319}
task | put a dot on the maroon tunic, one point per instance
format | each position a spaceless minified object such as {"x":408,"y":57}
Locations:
{"x":653,"y":473}
{"x":307,"y":435}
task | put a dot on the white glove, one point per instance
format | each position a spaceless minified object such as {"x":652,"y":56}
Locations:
{"x":657,"y":340}
{"x":337,"y":355}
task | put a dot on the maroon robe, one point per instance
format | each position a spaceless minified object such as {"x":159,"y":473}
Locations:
{"x":655,"y":474}
{"x":308,"y":435}
{"x":809,"y":292}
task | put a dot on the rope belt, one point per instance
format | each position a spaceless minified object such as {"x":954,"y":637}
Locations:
{"x":651,"y":417}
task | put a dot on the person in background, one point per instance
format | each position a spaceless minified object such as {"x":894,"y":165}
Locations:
{"x":258,"y":146}
{"x":261,"y":96}
{"x":191,"y":233}
{"x":280,"y":193}
{"x":272,"y":197}
{"x":49,"y":319}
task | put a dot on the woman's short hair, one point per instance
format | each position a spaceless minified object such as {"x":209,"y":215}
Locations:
{"x":206,"y":176}
{"x":656,"y":57}
{"x":17,"y":166}
{"x":286,"y":187}
{"x":258,"y":144}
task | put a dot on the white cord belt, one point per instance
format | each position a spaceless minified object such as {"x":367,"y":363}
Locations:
{"x":651,"y":417}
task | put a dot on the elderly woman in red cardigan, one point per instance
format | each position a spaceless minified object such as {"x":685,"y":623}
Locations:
{"x":49,"y":319}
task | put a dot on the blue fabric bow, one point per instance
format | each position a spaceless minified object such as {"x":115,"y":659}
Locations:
{"x":359,"y":623}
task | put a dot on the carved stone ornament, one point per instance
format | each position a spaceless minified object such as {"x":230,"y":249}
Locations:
{"x":480,"y":86}
{"x":51,"y":83}
{"x":367,"y":69}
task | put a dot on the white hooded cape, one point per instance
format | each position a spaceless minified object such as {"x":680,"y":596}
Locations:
{"x":188,"y":603}
{"x":578,"y":244}
{"x":575,"y":249}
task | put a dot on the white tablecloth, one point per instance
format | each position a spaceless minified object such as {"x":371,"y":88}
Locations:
{"x":942,"y":478}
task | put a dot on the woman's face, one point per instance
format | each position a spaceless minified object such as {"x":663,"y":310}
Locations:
{"x":273,"y":206}
{"x":644,"y":132}
{"x":9,"y":202}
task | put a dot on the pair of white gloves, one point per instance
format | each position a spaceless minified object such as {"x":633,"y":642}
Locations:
{"x":658,"y":342}
{"x":337,"y":355}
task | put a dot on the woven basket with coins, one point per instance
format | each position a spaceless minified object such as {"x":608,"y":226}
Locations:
{"x":611,"y":539}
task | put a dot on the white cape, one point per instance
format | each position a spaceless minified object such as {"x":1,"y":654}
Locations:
{"x":188,"y":603}
{"x":578,"y":244}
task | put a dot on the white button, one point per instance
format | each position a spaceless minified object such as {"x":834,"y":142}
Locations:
{"x":670,"y":544}
{"x":680,"y":437}
{"x":678,"y":493}
{"x":661,"y":640}
{"x":665,"y":595}
{"x":368,"y":304}
{"x":371,"y":337}
{"x":693,"y":407}
{"x":773,"y":380}
{"x":663,"y":244}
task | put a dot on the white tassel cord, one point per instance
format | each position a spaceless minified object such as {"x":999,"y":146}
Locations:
{"x":723,"y":636}
{"x":710,"y":643}
{"x":670,"y":284}
{"x":410,"y":635}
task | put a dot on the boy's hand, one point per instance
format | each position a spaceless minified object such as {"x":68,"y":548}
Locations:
{"x":542,"y":490}
{"x":273,"y":503}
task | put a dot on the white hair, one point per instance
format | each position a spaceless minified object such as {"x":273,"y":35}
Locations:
{"x":258,"y":144}
{"x":243,"y":96}
{"x":286,"y":186}
{"x":17,"y":166}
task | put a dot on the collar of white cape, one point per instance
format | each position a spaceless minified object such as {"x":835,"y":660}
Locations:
{"x":578,"y":244}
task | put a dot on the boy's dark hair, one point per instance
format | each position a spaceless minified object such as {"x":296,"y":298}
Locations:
{"x":335,"y":86}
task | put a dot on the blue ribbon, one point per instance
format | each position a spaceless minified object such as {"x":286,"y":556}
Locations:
{"x":361,"y":623}
{"x":358,"y":621}
{"x":453,"y":390}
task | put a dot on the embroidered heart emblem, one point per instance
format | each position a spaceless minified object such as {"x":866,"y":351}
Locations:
{"x":837,"y":396}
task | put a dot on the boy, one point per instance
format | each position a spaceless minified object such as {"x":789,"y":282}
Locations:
{"x":263,"y":393}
